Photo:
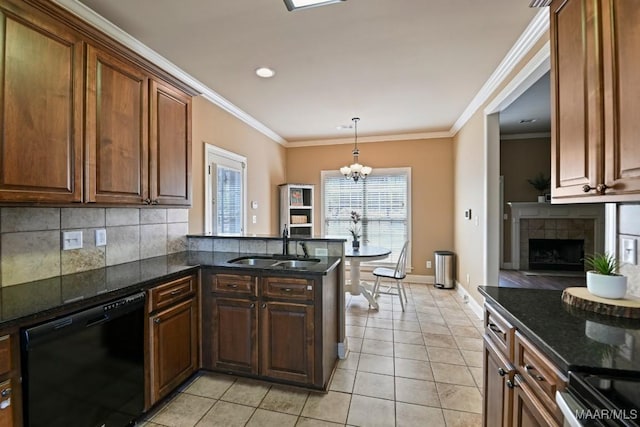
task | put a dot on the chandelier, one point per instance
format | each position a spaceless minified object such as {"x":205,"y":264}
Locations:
{"x":356,"y":170}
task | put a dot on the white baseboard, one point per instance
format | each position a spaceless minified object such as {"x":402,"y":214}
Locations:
{"x":473,"y":305}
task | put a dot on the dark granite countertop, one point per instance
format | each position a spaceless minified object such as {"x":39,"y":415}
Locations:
{"x":268,"y":237}
{"x":33,"y":302}
{"x":574,"y":339}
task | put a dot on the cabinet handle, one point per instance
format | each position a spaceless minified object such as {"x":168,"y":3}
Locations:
{"x":229,"y":285}
{"x":495,"y":328}
{"x":252,"y":305}
{"x":287,"y":290}
{"x":156,"y":320}
{"x":531,"y":371}
{"x":176,"y":292}
{"x":502,"y":372}
{"x":264,"y":305}
{"x":600,"y":188}
{"x":147,"y":201}
{"x":5,"y":392}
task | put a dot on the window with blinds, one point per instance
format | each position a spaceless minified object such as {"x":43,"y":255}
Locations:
{"x":382,"y":200}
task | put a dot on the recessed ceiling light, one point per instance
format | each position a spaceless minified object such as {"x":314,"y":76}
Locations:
{"x":343,"y":127}
{"x":527,"y":120}
{"x":304,"y":4}
{"x":265,"y":72}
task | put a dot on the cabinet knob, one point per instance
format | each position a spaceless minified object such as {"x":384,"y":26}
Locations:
{"x":154,"y":202}
{"x":600,"y":188}
{"x":510,"y":384}
{"x":147,"y":201}
{"x":252,"y":305}
{"x":156,"y":320}
{"x":264,"y":305}
{"x":502,"y":372}
{"x":5,"y":392}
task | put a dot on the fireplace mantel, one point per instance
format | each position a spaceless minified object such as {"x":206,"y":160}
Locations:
{"x":526,"y":210}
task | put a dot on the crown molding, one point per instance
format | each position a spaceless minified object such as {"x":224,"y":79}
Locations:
{"x":367,"y":139}
{"x":538,"y":26}
{"x":106,"y":26}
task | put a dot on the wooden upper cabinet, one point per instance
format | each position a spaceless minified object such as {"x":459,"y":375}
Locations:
{"x":116,"y":130}
{"x":595,"y":101}
{"x":41,"y":67}
{"x":169,"y":145}
{"x":620,"y":46}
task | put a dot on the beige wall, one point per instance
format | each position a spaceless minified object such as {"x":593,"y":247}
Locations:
{"x":471,"y":241}
{"x":431,"y":163}
{"x":521,"y":159}
{"x":265,"y":160}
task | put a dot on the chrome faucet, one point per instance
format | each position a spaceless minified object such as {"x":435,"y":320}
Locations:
{"x":285,"y":241}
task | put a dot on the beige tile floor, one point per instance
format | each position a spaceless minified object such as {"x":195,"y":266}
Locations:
{"x":421,"y":367}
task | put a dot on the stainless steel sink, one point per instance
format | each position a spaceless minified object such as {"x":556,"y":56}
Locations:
{"x":297,"y":263}
{"x":264,"y":262}
{"x":254,"y":262}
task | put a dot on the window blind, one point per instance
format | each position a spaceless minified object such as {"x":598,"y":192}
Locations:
{"x":381,"y":200}
{"x":229,"y":206}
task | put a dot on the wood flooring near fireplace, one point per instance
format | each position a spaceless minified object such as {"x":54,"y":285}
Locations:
{"x":540,"y":279}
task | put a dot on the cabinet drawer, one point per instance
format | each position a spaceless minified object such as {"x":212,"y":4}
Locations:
{"x":539,"y":373}
{"x":166,"y":294}
{"x":288,"y":287}
{"x":5,"y":354}
{"x":499,"y":331}
{"x":234,"y":283}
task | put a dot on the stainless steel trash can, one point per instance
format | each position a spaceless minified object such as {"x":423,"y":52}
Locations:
{"x":445,"y":267}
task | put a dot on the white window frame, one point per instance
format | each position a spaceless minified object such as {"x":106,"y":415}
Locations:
{"x":210,"y":153}
{"x":407,"y":171}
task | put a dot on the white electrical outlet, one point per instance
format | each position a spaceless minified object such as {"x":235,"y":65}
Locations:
{"x":628,"y":250}
{"x":71,"y":240}
{"x":254,"y":219}
{"x":101,"y":237}
{"x":428,"y":264}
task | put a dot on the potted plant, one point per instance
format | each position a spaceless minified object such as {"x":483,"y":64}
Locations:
{"x":354,"y":229}
{"x":602,"y":277}
{"x":542,"y":184}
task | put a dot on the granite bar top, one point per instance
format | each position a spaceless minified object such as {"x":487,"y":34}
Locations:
{"x":575,"y":339}
{"x":268,"y":237}
{"x":32,"y":302}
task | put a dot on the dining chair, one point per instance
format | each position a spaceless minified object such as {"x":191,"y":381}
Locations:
{"x":398,"y":274}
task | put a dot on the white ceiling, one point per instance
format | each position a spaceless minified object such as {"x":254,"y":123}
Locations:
{"x":402,"y":66}
{"x":533,"y":104}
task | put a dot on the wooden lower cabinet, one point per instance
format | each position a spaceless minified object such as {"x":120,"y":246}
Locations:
{"x":10,"y":383}
{"x":498,"y":377}
{"x":287,"y":341}
{"x":235,"y":323}
{"x":528,"y":411}
{"x":279,"y":328}
{"x":173,"y":338}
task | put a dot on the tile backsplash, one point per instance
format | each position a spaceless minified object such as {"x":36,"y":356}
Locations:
{"x":31,"y":239}
{"x":629,"y":227}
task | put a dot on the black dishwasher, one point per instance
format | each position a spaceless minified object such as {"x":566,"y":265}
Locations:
{"x":86,"y":369}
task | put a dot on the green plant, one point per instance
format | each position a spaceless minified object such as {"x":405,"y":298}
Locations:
{"x":540,"y":183}
{"x":605,"y":264}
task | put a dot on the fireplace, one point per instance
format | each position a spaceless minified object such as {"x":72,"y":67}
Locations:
{"x":556,"y":254}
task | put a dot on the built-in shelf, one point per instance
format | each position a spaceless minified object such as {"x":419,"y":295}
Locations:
{"x":296,"y":209}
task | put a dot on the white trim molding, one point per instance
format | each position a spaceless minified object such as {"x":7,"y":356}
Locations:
{"x":376,"y":138}
{"x":88,"y":15}
{"x":474,"y":306}
{"x":538,"y":26}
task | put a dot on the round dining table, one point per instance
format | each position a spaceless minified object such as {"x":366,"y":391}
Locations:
{"x":363,"y":254}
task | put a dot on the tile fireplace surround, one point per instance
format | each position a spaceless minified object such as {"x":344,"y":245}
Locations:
{"x":547,"y":221}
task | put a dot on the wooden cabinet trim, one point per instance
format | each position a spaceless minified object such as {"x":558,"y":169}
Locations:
{"x":499,"y":330}
{"x":527,"y":404}
{"x":169,"y":293}
{"x":289,"y":288}
{"x":235,"y":284}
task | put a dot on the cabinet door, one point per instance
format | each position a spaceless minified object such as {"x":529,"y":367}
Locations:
{"x":528,"y":411}
{"x":620,"y":45}
{"x":170,"y":146}
{"x":287,"y":341}
{"x":41,"y":66}
{"x":116,"y":130}
{"x":235,"y":325}
{"x":498,"y":399}
{"x":576,"y":100}
{"x":174,"y":340}
{"x":6,"y":405}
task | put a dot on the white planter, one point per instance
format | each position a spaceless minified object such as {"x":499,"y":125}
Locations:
{"x":601,"y":285}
